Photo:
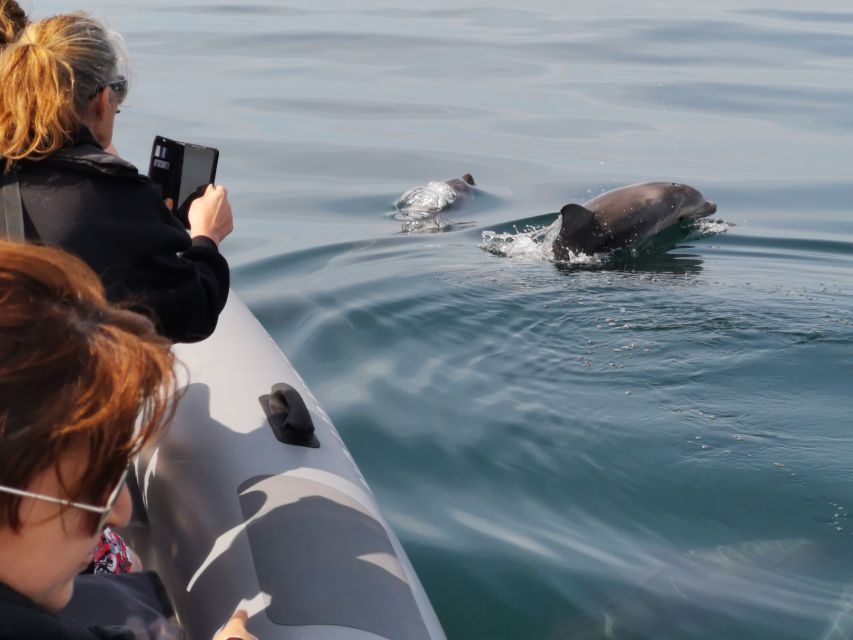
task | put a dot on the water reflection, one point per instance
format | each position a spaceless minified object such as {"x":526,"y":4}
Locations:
{"x":661,"y":262}
{"x":764,"y":588}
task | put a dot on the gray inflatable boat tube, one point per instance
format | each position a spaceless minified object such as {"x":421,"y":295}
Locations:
{"x":236,"y":517}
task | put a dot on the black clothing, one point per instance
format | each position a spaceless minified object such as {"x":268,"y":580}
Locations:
{"x":100,"y":208}
{"x":23,"y":619}
{"x":136,"y":601}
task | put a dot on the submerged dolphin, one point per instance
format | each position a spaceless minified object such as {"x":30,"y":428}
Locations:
{"x":435,"y":196}
{"x":621,"y":217}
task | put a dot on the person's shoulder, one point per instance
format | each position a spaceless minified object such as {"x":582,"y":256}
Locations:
{"x":22,"y":619}
{"x":39,"y":625}
{"x":62,"y":631}
{"x":84,"y":154}
{"x":89,"y":158}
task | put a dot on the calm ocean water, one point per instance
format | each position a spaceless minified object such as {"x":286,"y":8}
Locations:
{"x":652,"y":447}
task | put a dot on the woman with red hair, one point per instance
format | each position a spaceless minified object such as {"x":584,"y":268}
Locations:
{"x":83,"y":386}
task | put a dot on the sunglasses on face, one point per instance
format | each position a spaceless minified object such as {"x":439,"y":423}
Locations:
{"x":103,"y":512}
{"x":118,"y":87}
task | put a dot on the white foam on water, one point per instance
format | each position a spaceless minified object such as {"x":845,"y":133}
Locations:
{"x":533,"y":243}
{"x":708,"y":227}
{"x":424,"y":201}
{"x":537,"y":243}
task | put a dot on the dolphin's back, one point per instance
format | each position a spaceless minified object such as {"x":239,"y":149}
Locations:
{"x":636,"y":211}
{"x":621,"y":217}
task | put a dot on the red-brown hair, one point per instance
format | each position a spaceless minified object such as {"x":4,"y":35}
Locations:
{"x":74,"y":370}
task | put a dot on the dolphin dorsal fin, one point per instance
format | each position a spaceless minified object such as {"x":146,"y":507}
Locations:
{"x":574,"y":209}
{"x":576,"y":218}
{"x":579,"y":230}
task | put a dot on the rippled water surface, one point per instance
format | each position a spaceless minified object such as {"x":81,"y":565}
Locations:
{"x":653,"y":445}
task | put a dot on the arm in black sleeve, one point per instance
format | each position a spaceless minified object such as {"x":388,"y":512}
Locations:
{"x":102,"y":210}
{"x":183,"y":282}
{"x":186,"y":290}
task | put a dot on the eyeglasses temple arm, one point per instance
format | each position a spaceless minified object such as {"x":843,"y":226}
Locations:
{"x":69,"y":503}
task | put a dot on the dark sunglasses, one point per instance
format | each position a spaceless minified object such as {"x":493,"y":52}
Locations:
{"x":118,"y":87}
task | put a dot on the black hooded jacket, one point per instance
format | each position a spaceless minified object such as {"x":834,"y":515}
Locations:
{"x":100,"y":208}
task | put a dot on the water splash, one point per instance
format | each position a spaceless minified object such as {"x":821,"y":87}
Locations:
{"x":425,"y":201}
{"x":707,"y":227}
{"x":537,"y":243}
{"x":532,"y":243}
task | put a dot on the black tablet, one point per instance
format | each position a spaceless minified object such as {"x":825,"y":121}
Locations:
{"x":181,"y":171}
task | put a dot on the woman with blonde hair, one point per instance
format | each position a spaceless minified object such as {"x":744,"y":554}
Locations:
{"x":83,"y":386}
{"x":63,"y":81}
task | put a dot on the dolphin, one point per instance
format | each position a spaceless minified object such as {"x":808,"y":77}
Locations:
{"x":435,"y":196}
{"x":462,"y":186}
{"x":619,"y":218}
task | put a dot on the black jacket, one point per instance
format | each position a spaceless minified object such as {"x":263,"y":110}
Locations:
{"x":102,"y":209}
{"x":23,"y":619}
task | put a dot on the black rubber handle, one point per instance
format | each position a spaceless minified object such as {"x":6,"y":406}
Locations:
{"x":289,"y":417}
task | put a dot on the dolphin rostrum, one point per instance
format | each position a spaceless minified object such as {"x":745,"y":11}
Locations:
{"x":621,"y":217}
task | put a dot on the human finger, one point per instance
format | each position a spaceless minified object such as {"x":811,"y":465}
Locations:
{"x":235,"y":628}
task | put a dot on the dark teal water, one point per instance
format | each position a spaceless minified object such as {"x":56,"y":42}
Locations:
{"x":657,"y":446}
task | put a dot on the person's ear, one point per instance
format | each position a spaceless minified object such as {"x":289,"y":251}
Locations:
{"x":102,"y":103}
